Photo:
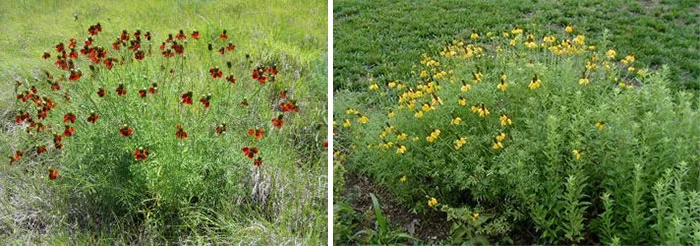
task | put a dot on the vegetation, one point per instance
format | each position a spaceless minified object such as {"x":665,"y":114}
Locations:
{"x":530,"y":134}
{"x":154,"y":123}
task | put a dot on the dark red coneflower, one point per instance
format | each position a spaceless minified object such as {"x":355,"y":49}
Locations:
{"x":93,"y":117}
{"x":141,"y":154}
{"x":180,"y":133}
{"x":223,"y":35}
{"x":195,"y":35}
{"x":186,"y":98}
{"x":121,"y":91}
{"x":126,"y":131}
{"x":69,"y":117}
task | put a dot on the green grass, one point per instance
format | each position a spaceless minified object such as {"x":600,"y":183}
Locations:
{"x":383,"y":39}
{"x":194,"y":190}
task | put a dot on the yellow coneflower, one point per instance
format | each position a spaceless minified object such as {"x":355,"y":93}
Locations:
{"x":346,"y":123}
{"x":462,"y":101}
{"x":569,"y":29}
{"x":505,"y":120}
{"x":503,"y":86}
{"x":433,"y":136}
{"x":374,"y":87}
{"x":503,"y":76}
{"x":475,"y":217}
{"x":456,"y":121}
{"x":403,"y":179}
{"x":391,"y":114}
{"x":611,"y":54}
{"x":415,"y":139}
{"x":465,"y":87}
{"x":500,"y":137}
{"x":432,"y":202}
{"x":474,"y":36}
{"x":426,"y":107}
{"x":352,"y":111}
{"x":577,"y":154}
{"x":600,"y":125}
{"x":401,"y":136}
{"x":583,"y":81}
{"x":549,"y":39}
{"x":630,"y":69}
{"x":363,"y":119}
{"x":418,"y":114}
{"x":392,"y":84}
{"x":401,"y":149}
{"x":535,"y":83}
{"x":580,"y":40}
{"x":460,"y":142}
{"x":516,"y":31}
{"x":497,"y":145}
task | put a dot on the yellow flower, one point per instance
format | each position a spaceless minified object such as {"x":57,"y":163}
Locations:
{"x":426,"y":107}
{"x":611,"y":54}
{"x":569,"y":29}
{"x":462,"y":101}
{"x":577,"y":154}
{"x":391,"y":114}
{"x":374,"y":86}
{"x":505,"y":120}
{"x":403,"y":179}
{"x":433,"y":136}
{"x":474,"y":36}
{"x":623,"y":85}
{"x":583,"y":81}
{"x":419,"y":114}
{"x":460,"y":142}
{"x":500,"y":137}
{"x":506,"y":34}
{"x":346,"y":123}
{"x":363,"y":120}
{"x":415,"y":139}
{"x":402,"y":136}
{"x":475,"y":216}
{"x":530,"y":45}
{"x":497,"y":145}
{"x":423,"y":73}
{"x":502,"y":86}
{"x":503,"y":76}
{"x":456,"y":121}
{"x":535,"y":83}
{"x":392,"y":84}
{"x":628,"y":59}
{"x":600,"y":125}
{"x":580,"y":40}
{"x":641,"y":72}
{"x":352,"y":111}
{"x":401,"y":149}
{"x":513,"y":42}
{"x":432,"y":202}
{"x":516,"y":31}
{"x":549,"y":39}
{"x":630,"y":69}
{"x":477,"y":77}
{"x":465,"y":88}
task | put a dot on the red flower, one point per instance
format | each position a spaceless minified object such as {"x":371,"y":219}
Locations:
{"x":121,"y":91}
{"x":231,"y":79}
{"x":40,"y":149}
{"x":101,"y":92}
{"x":222,"y":51}
{"x":109,"y":62}
{"x":92,"y":30}
{"x":58,"y":141}
{"x":68,"y":131}
{"x":258,"y":74}
{"x":53,"y":173}
{"x":153,"y":89}
{"x":18,"y":155}
{"x":73,"y":54}
{"x":46,"y":55}
{"x":289,"y":106}
{"x":140,"y":154}
{"x":215,"y":72}
{"x":139,"y":55}
{"x":283,"y":94}
{"x":223,"y":35}
{"x":21,"y":117}
{"x":257,"y":132}
{"x":186,"y":98}
{"x":126,"y":131}
{"x":69,"y":117}
{"x":137,"y":34}
{"x":325,"y":144}
{"x":55,"y":86}
{"x":142,"y":93}
{"x":180,"y":133}
{"x":93,"y":117}
{"x":147,"y":36}
{"x":273,"y":70}
{"x":250,"y":152}
{"x":170,"y":38}
{"x":205,"y":100}
{"x":75,"y":75}
{"x":278,"y":122}
{"x":60,"y":48}
{"x":162,"y":46}
{"x":196,"y":35}
{"x":258,"y":162}
{"x":125,"y":36}
{"x":221,"y":129}
{"x":181,"y":35}
{"x":230,"y":46}
{"x":244,"y":103}
{"x":41,"y":114}
{"x":73,"y":43}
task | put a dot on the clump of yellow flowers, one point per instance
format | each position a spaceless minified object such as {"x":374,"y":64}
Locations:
{"x":433,"y":136}
{"x":460,"y":142}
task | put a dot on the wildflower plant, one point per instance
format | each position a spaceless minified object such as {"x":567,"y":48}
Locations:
{"x":538,"y":132}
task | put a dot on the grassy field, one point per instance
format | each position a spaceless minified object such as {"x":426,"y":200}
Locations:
{"x":405,"y":78}
{"x":383,"y":39}
{"x":197,"y":190}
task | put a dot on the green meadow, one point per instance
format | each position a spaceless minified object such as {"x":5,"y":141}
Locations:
{"x":201,"y":141}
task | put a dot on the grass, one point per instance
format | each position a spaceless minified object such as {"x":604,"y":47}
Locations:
{"x":382,"y":39}
{"x":195,"y":190}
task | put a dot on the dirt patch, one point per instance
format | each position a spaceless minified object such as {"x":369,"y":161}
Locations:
{"x":429,"y":227}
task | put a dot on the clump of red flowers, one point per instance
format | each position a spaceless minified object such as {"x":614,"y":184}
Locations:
{"x":262,"y":73}
{"x":141,"y":154}
{"x":215,"y":72}
{"x":290,"y":106}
